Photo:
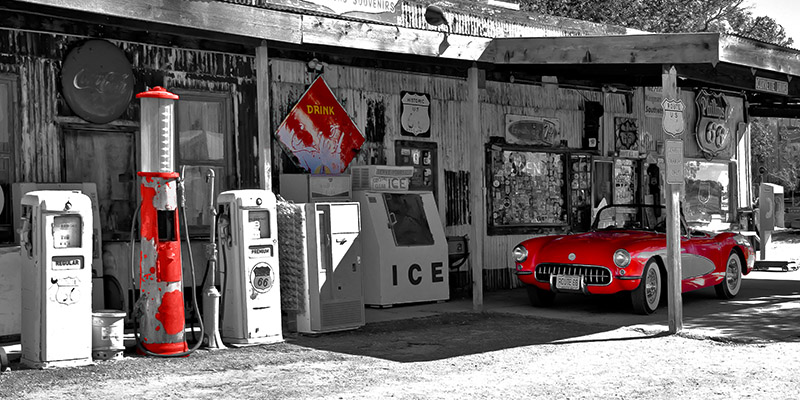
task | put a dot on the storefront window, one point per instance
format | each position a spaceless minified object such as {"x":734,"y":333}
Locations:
{"x":706,"y":195}
{"x":7,"y":100}
{"x":204,"y":134}
{"x":526,"y":188}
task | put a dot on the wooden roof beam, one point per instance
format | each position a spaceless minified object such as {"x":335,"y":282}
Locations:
{"x":627,"y":49}
{"x":375,"y":37}
{"x":212,"y":16}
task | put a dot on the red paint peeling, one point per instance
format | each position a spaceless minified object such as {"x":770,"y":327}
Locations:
{"x":168,"y":323}
{"x":170,"y":312}
{"x":169,"y":261}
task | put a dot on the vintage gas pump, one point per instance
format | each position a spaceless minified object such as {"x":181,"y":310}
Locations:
{"x":160,"y":307}
{"x":251,"y":312}
{"x":56,"y":247}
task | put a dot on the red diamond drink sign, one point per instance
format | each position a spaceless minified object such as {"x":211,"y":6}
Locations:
{"x":319,"y":133}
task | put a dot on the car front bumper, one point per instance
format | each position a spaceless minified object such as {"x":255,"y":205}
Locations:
{"x":617,"y":284}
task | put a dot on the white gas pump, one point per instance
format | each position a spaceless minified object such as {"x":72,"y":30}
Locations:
{"x":56,"y":247}
{"x":332,"y":285}
{"x":248,"y":235}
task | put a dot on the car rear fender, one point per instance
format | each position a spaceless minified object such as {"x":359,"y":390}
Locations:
{"x":748,"y":262}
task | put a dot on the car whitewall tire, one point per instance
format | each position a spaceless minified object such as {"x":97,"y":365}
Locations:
{"x":730,"y":285}
{"x":646,"y":297}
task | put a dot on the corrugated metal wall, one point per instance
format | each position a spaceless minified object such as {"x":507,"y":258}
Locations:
{"x":361,"y":91}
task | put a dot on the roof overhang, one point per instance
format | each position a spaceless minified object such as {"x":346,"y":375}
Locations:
{"x":767,"y":74}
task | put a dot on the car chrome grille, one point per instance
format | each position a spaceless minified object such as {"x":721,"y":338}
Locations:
{"x":592,"y":274}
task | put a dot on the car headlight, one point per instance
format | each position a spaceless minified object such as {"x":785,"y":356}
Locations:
{"x":520,"y":254}
{"x":622,"y":258}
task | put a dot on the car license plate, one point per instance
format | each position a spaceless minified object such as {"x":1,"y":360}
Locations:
{"x":568,"y":282}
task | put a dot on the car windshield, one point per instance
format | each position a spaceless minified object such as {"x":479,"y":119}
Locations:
{"x":637,"y":217}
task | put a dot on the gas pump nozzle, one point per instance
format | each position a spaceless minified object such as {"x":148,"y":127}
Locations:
{"x":213,"y":340}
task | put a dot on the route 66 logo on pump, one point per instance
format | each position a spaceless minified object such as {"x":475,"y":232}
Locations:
{"x":261,"y":277}
{"x":673,"y":122}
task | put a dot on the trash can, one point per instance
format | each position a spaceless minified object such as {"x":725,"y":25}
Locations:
{"x":108,"y":334}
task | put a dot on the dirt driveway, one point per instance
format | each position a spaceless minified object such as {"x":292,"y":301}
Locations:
{"x":744,"y":348}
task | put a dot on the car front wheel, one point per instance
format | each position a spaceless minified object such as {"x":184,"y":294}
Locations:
{"x":729,"y":287}
{"x":646,"y":296}
{"x":540,"y":297}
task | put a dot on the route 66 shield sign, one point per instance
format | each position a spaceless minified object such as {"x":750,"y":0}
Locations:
{"x":672,"y":121}
{"x":415,"y":116}
{"x":713,"y":134}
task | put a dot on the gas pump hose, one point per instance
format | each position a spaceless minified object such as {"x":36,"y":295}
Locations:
{"x":136,"y":308}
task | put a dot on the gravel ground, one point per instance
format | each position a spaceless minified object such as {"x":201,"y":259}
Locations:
{"x":449,"y":356}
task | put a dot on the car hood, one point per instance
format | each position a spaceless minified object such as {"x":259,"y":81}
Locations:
{"x":587,"y":247}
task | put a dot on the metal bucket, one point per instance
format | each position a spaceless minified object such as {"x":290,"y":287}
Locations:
{"x":108,"y":334}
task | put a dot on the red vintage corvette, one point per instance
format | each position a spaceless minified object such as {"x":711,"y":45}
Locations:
{"x":626,"y":252}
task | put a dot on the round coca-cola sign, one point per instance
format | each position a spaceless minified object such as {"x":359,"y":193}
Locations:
{"x":97,"y":81}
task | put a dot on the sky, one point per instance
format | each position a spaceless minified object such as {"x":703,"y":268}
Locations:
{"x":784,"y":12}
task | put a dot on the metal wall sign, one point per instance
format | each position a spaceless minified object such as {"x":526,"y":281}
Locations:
{"x":673,"y":120}
{"x":673,"y":153}
{"x":97,"y":81}
{"x":626,"y":133}
{"x":535,"y":131}
{"x":318,"y":132}
{"x":713,"y":134}
{"x":415,"y":114}
{"x":772,"y":85}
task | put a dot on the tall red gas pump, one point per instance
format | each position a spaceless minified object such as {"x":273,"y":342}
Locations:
{"x":161,"y":324}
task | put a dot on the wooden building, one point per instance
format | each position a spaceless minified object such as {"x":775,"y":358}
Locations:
{"x":534,"y":120}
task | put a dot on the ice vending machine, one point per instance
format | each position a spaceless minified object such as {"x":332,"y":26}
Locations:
{"x":405,"y":249}
{"x":56,"y":247}
{"x":332,"y":296}
{"x":251,"y":295}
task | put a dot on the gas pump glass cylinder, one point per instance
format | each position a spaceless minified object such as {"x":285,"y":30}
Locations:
{"x":157,"y":130}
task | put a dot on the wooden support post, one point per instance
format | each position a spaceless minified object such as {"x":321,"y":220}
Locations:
{"x":263,"y":114}
{"x":477,"y":159}
{"x":673,"y":126}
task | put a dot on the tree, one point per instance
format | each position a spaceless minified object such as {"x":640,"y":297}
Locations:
{"x":775,"y":153}
{"x":668,"y":16}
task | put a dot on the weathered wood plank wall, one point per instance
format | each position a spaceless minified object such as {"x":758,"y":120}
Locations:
{"x":36,"y":58}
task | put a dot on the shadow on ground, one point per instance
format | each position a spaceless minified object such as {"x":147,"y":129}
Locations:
{"x":765,"y":309}
{"x":448,"y":335}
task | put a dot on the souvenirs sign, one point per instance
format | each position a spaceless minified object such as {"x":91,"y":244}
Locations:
{"x":713,"y":134}
{"x":673,"y":121}
{"x":415,"y":114}
{"x":319,"y":133}
{"x":374,"y":10}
